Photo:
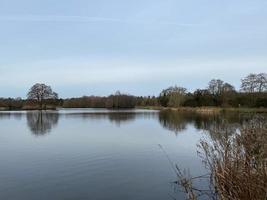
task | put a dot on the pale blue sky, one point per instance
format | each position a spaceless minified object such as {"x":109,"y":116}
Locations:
{"x":84,"y":47}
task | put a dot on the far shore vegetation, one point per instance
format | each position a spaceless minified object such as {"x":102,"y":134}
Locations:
{"x":217,"y":96}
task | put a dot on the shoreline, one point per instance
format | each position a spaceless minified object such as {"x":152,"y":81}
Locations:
{"x":180,"y":109}
{"x":206,"y":109}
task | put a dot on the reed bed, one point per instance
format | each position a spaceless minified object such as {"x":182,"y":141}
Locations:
{"x":237,"y":165}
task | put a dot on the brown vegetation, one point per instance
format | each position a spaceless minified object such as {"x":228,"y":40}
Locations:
{"x":115,"y":101}
{"x":237,"y":164}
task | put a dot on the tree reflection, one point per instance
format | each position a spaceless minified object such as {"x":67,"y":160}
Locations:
{"x":117,"y":117}
{"x":41,"y":122}
{"x":214,"y":124}
{"x":174,"y":121}
{"x":121,"y":118}
{"x":10,"y":115}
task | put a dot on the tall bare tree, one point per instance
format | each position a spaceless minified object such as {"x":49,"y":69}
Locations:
{"x":41,"y":92}
{"x":254,"y":83}
{"x":215,"y":86}
{"x":262,"y":82}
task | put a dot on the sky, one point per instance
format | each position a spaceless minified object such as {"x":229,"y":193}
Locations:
{"x":86,"y":47}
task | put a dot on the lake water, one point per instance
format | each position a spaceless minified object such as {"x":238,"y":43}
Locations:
{"x":98,"y":154}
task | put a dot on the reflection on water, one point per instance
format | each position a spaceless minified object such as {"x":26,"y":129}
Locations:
{"x":89,"y":151}
{"x":174,"y":121}
{"x":11,"y":115}
{"x":117,"y":117}
{"x":41,"y":122}
{"x":178,"y":121}
{"x":213,"y":124}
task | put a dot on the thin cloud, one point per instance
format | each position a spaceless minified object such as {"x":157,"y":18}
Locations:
{"x":65,"y":72}
{"x":73,"y":18}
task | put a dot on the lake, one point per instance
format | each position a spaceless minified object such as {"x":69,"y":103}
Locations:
{"x":98,"y":154}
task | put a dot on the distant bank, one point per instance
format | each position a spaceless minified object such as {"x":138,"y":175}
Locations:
{"x":201,"y":110}
{"x":205,"y":109}
{"x":217,"y":96}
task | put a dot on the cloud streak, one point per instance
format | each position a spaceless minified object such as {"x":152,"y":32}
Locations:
{"x":85,"y":19}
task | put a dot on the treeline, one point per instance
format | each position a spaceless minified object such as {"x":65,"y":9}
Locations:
{"x":252,"y":94}
{"x":27,"y":104}
{"x":11,"y":104}
{"x":116,"y":101}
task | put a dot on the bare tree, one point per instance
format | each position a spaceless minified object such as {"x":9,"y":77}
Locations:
{"x":262,"y":82}
{"x":215,"y":86}
{"x":175,"y":96}
{"x":249,"y":83}
{"x":174,"y":89}
{"x":41,"y":92}
{"x":254,"y":83}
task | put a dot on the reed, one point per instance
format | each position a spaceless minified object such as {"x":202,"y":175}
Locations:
{"x":237,"y":165}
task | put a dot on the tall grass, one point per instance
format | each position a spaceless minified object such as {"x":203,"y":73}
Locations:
{"x":237,"y":165}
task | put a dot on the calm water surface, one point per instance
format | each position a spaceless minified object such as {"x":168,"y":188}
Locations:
{"x":98,"y":154}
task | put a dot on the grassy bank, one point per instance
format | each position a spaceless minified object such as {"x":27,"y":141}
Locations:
{"x":205,"y":109}
{"x":182,"y":109}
